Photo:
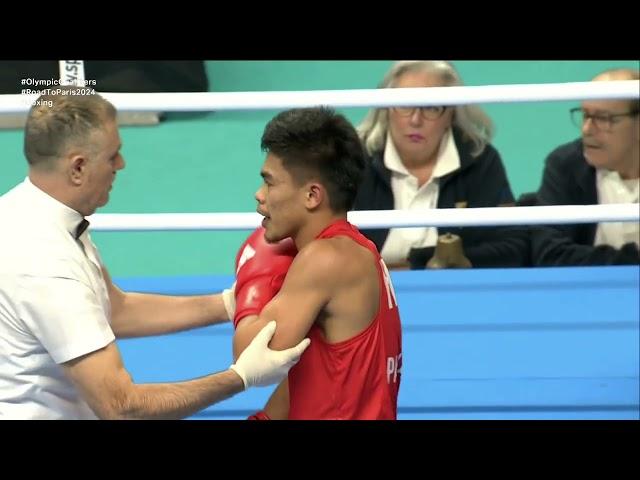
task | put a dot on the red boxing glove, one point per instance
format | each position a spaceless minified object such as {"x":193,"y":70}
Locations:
{"x":260,"y":271}
{"x":259,"y":416}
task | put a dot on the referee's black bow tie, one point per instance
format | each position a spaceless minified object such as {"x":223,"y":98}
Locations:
{"x":82,"y":226}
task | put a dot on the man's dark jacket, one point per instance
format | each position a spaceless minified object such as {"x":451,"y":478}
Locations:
{"x":569,"y":180}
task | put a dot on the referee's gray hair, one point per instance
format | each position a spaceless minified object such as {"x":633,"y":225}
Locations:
{"x":62,"y":117}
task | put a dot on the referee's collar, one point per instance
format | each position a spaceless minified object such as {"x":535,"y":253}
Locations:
{"x":45,"y":204}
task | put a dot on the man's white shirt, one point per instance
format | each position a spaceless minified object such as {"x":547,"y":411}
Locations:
{"x":54,"y":305}
{"x":612,"y":188}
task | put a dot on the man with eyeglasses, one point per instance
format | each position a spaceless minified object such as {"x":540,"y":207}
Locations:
{"x":601,"y":167}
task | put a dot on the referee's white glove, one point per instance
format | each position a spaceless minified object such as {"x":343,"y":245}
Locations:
{"x":229,"y":299}
{"x":259,"y":366}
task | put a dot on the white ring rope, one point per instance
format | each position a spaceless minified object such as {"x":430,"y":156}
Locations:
{"x":208,"y":101}
{"x":441,"y":217}
{"x":384,"y":97}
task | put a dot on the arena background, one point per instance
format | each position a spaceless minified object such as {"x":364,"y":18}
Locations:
{"x":210,"y":162}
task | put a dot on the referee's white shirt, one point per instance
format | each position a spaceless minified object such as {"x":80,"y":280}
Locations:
{"x":54,"y":305}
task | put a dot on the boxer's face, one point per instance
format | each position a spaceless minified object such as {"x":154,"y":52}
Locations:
{"x":281,"y":200}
